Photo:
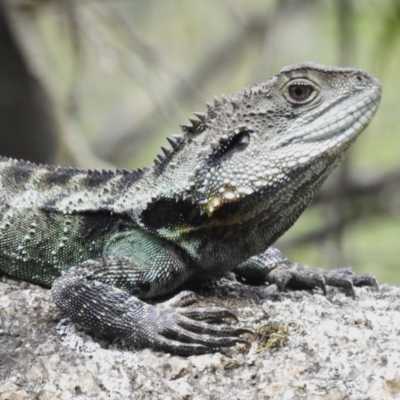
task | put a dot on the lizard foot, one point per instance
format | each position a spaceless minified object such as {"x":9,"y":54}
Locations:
{"x":181,"y":330}
{"x":302,"y":276}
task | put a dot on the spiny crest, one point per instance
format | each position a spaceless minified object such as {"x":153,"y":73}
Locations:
{"x":234,"y":102}
{"x":28,"y":165}
{"x":176,"y":142}
{"x":200,"y":124}
{"x":93,"y":176}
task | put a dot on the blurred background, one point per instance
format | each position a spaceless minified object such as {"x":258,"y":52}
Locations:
{"x":101,"y":83}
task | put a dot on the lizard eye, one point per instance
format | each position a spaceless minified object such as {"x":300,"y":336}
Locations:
{"x":300,"y":91}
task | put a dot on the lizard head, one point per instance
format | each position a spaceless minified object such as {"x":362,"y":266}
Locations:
{"x":294,"y":128}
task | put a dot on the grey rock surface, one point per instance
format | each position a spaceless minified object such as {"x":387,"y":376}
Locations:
{"x":307,"y":347}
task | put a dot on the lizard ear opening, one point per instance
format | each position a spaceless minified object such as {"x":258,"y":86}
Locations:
{"x":234,"y":144}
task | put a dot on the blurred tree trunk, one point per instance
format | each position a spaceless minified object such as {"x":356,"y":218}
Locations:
{"x":27,"y":126}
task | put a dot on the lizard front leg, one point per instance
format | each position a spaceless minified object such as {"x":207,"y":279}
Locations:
{"x":102,"y":294}
{"x":273,"y":267}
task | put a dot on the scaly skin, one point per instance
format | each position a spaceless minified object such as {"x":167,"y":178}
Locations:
{"x":237,"y":179}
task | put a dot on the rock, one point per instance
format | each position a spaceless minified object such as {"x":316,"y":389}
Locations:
{"x":305,"y":346}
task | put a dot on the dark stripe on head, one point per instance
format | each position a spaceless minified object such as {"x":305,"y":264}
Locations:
{"x":129,"y":178}
{"x":50,"y":204}
{"x":94,"y":179}
{"x":59,"y":176}
{"x":16,"y":175}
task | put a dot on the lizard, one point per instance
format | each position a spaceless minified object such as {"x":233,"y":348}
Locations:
{"x":215,"y":201}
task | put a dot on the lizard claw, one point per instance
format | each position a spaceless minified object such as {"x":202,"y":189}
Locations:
{"x":183,"y":331}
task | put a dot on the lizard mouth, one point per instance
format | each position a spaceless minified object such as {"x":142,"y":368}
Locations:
{"x":347,"y":123}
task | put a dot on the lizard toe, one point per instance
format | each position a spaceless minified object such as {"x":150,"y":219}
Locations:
{"x":215,"y":314}
{"x":366,"y":280}
{"x":184,"y":336}
{"x":182,"y":299}
{"x":179,"y":348}
{"x":218,"y":330}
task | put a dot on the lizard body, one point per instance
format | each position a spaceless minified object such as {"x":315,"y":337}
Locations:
{"x":235,"y":181}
